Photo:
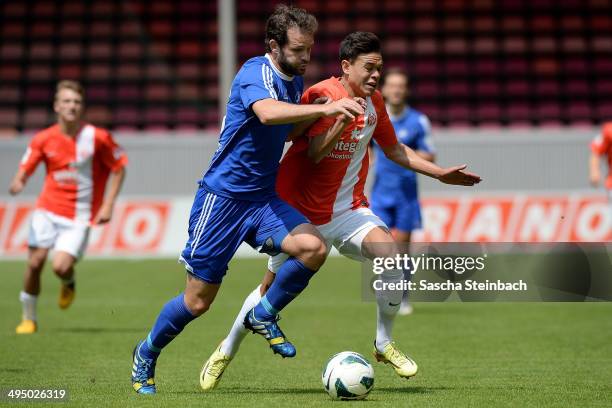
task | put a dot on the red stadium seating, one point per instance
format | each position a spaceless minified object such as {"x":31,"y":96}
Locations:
{"x":153,"y":64}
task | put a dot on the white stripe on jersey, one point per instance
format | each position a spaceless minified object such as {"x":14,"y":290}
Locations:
{"x":26,"y":155}
{"x":85,"y":146}
{"x":266,"y":76}
{"x":271,"y":81}
{"x":344,"y":195}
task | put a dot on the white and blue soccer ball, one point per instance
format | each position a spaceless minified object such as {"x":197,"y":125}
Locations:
{"x":348,"y":376}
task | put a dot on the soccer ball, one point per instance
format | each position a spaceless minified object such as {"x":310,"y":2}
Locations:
{"x":348,"y":376}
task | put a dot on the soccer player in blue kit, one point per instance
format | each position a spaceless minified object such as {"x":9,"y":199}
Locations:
{"x":237,"y":202}
{"x":395,"y":197}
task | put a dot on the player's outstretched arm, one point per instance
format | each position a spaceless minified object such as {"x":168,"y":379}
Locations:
{"x":19,"y":182}
{"x":272,"y":112}
{"x":114,"y":186}
{"x":408,"y":158}
{"x":426,"y":155}
{"x":594,"y":172}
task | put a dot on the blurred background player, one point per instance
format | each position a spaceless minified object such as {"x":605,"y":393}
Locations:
{"x":79,"y":159}
{"x":237,"y":201}
{"x":602,"y":146}
{"x":395,"y":197}
{"x":323,"y":175}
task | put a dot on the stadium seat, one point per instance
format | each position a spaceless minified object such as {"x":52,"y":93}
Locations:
{"x":38,"y":94}
{"x":40,"y":50}
{"x":98,"y":72}
{"x":37,"y":118}
{"x":70,"y":71}
{"x":100,"y":115}
{"x":11,"y":51}
{"x":512,"y":54}
{"x":10,"y":93}
{"x":9,"y":117}
{"x":14,"y":9}
{"x":98,"y":93}
{"x":129,"y":93}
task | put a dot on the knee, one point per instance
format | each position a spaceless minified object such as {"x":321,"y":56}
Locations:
{"x":197,"y":306}
{"x":380,"y":250}
{"x":36,"y":263}
{"x":62,"y":269}
{"x":313,"y":251}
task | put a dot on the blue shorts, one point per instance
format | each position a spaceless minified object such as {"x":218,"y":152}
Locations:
{"x":218,"y":225}
{"x":405,"y":216}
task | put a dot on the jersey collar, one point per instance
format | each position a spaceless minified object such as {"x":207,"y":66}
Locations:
{"x":278,"y":72}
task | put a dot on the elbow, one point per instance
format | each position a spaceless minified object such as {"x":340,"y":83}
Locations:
{"x":265,"y":118}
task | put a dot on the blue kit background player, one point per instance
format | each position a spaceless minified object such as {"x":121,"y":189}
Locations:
{"x":395,"y":197}
{"x":236,"y":201}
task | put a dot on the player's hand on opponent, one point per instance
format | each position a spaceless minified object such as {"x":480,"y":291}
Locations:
{"x":345,"y":106}
{"x":457,"y":176}
{"x":345,"y":119}
{"x":16,"y":187}
{"x":104,"y":215}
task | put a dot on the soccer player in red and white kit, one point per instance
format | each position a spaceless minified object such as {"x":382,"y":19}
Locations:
{"x":323,"y":176}
{"x":79,"y":160}
{"x":602,"y":146}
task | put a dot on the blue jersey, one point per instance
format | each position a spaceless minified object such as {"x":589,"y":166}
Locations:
{"x":393,"y":183}
{"x":245,"y":165}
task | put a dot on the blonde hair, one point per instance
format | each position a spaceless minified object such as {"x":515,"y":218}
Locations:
{"x":69,"y":84}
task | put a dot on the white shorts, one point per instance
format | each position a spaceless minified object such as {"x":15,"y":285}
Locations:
{"x":48,"y":230}
{"x":345,"y":232}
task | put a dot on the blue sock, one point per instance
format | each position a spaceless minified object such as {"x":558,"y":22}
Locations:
{"x":172,"y":319}
{"x":291,"y":279}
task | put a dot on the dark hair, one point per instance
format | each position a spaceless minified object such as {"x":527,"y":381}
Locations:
{"x":394,"y":71}
{"x":359,"y":42}
{"x":285,"y":17}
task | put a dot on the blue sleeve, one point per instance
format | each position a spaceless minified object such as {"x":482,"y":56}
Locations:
{"x":257,"y":83}
{"x":424,"y":141}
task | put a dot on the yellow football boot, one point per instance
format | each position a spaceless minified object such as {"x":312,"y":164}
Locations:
{"x":213,"y":369}
{"x":26,"y":327}
{"x":66,"y":296}
{"x":403,"y":365}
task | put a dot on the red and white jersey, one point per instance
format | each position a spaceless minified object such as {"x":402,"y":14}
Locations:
{"x":77,"y":169}
{"x":602,"y":145}
{"x":335,"y":185}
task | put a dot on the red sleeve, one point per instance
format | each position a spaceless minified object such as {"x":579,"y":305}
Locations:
{"x":601,"y":144}
{"x":33,"y":154}
{"x":384,"y":134}
{"x":111,"y":154}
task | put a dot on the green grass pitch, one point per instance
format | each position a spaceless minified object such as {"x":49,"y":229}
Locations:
{"x":469,"y":354}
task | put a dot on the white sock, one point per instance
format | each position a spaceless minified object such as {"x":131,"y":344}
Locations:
{"x":231,"y":343}
{"x":28,"y":305}
{"x":388,"y":304}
